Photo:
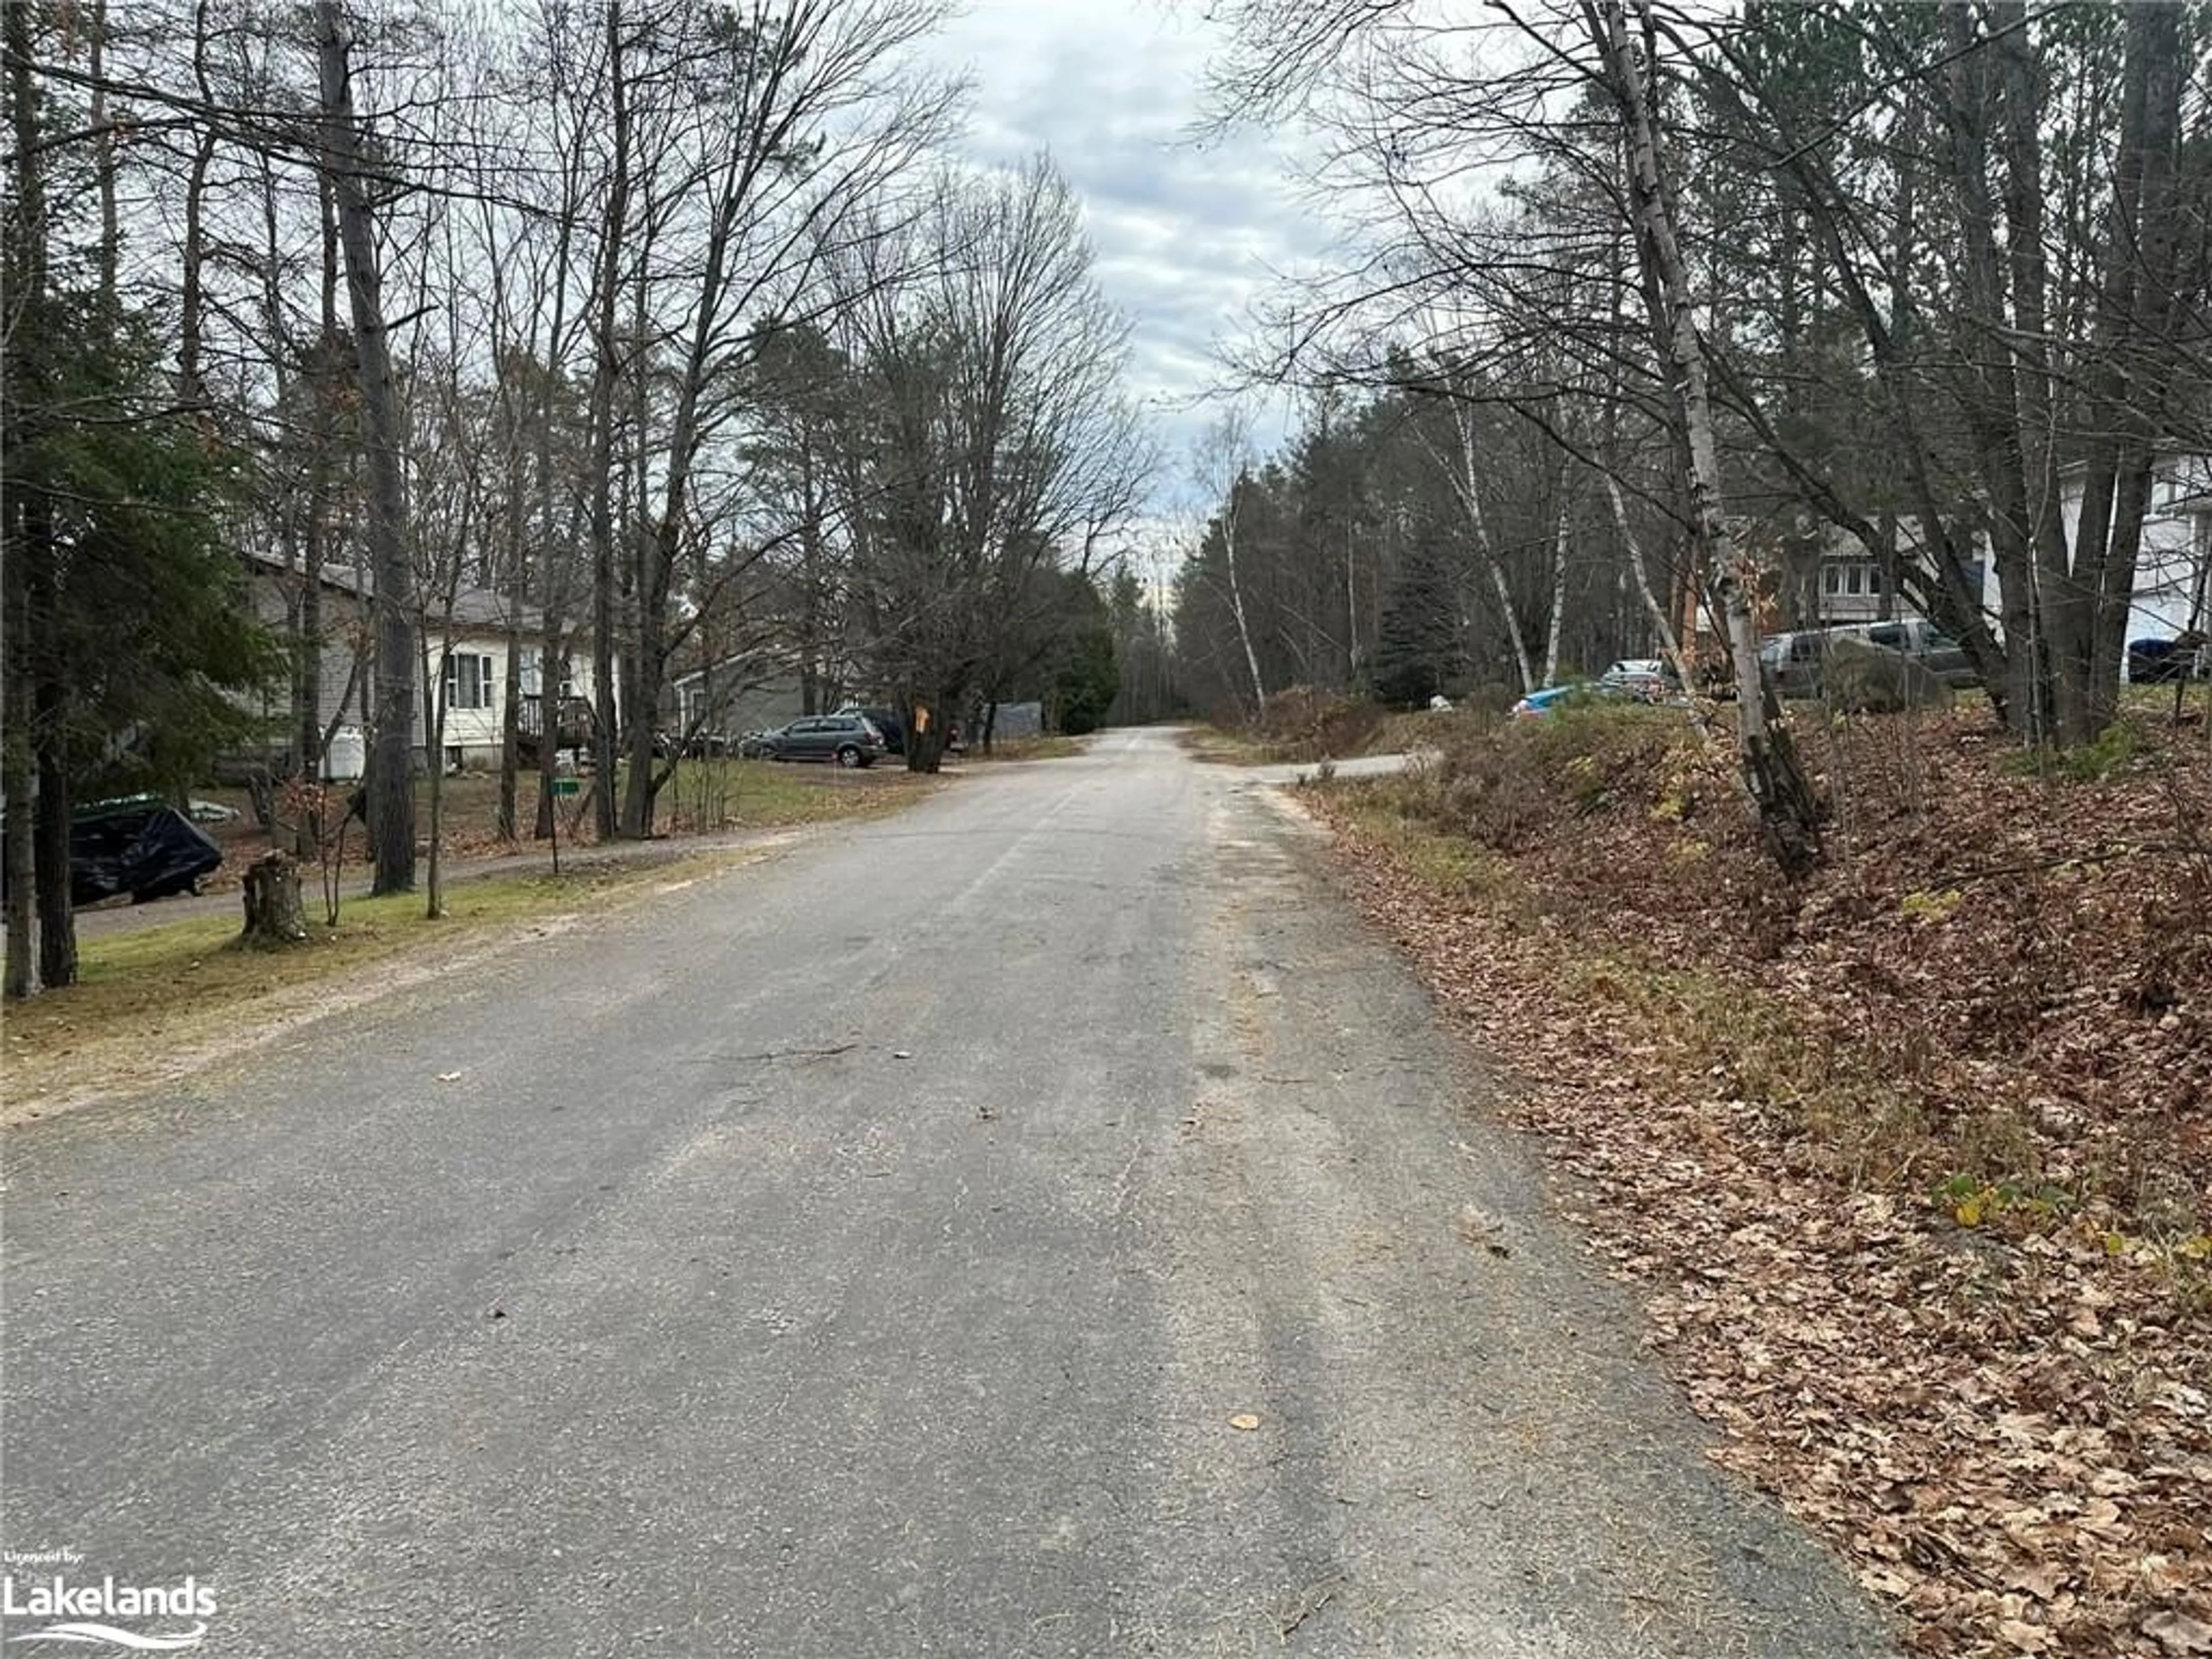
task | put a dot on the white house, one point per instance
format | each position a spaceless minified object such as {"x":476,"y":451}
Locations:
{"x":464,"y":653}
{"x":2172,"y":591}
{"x":2175,"y":563}
{"x":1849,"y":586}
{"x":466,"y":657}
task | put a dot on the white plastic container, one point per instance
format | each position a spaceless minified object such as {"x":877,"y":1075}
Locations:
{"x":348,"y":755}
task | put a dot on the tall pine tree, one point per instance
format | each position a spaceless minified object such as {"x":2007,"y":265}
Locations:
{"x":1417,"y":644}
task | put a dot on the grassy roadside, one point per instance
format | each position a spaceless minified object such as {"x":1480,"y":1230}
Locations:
{"x":1913,"y":1166}
{"x":1298,"y":726}
{"x":152,"y":1002}
{"x":703,"y":797}
{"x":706,"y":796}
{"x":1052,"y":747}
{"x":156,"y":1001}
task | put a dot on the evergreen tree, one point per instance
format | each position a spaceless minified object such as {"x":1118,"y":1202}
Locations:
{"x":1086,"y":676}
{"x":129,"y":643}
{"x":142,"y":619}
{"x":1417,"y":649}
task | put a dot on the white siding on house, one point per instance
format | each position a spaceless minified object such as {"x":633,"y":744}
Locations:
{"x":474,"y":676}
{"x":342,"y":684}
{"x":1848,"y":586}
{"x":1851,"y":591}
{"x":2169,"y":594}
{"x":345,"y":676}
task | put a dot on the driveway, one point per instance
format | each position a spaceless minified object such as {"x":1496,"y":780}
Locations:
{"x":530,"y":859}
{"x":1047,"y":1222}
{"x":1358,"y":766}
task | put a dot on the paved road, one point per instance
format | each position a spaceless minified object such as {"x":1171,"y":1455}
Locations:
{"x":867,"y":1253}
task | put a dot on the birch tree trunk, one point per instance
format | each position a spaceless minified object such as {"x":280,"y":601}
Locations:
{"x":1236,"y":599}
{"x":1557,"y":621}
{"x":1788,"y":813}
{"x":1459,"y":469}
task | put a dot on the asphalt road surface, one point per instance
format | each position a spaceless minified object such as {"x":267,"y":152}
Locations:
{"x":874,"y":1252}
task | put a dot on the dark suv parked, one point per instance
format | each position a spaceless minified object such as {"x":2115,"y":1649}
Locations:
{"x":848,"y":739}
{"x":2159,"y":662}
{"x":884,"y":720}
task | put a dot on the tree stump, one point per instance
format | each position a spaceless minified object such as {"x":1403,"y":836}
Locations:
{"x":274,"y":915}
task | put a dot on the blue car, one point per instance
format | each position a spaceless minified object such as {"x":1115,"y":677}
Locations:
{"x":1537,"y":704}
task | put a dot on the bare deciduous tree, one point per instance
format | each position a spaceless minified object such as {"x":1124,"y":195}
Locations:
{"x":391,"y":775}
{"x":990,"y":438}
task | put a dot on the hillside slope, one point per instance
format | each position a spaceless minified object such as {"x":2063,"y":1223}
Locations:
{"x":1915,"y":1159}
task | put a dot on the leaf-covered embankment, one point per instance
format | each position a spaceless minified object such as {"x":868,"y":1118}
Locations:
{"x":1914,"y":1159}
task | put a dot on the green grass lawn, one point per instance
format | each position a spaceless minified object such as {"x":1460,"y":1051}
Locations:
{"x":158,"y":990}
{"x":147,"y":992}
{"x":702,"y":796}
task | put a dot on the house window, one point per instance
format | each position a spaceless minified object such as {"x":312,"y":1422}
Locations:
{"x":695,"y":708}
{"x":469,"y":681}
{"x":1854,"y":579}
{"x":1832,"y":579}
{"x":531,"y":666}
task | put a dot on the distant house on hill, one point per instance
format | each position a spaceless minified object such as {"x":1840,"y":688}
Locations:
{"x":2171,"y":593}
{"x":2174,"y":569}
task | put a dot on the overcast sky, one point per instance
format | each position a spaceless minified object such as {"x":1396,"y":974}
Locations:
{"x":1186,"y":237}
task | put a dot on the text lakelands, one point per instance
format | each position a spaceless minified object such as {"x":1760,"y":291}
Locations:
{"x":57,"y":1598}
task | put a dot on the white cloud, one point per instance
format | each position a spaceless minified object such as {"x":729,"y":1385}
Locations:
{"x":1188,"y":238}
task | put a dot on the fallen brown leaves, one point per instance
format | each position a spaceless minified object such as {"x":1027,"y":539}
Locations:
{"x":1914,"y":1161}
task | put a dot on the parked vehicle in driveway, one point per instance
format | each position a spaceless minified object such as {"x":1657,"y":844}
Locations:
{"x":1792,"y":663}
{"x":1537,"y":704}
{"x":848,"y":739}
{"x":886,"y":721}
{"x":1926,"y":644}
{"x":1647,"y":679}
{"x":1796,"y":662}
{"x":139,"y":845}
{"x":2161,"y":662}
